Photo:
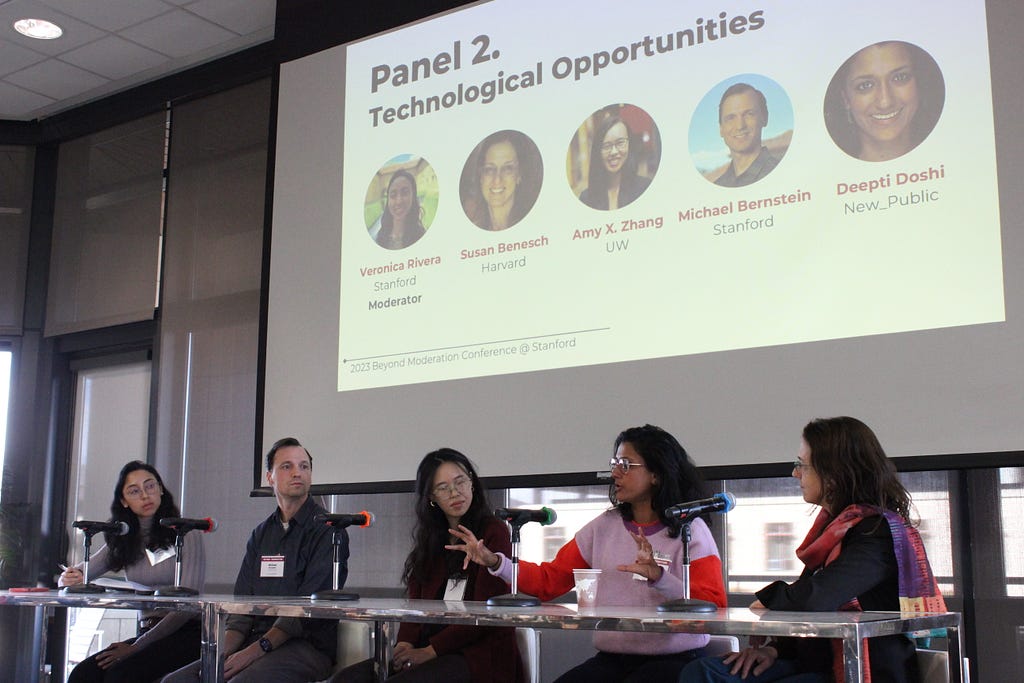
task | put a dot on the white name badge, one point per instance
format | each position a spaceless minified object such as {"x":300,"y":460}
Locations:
{"x":158,"y":556}
{"x":271,"y":566}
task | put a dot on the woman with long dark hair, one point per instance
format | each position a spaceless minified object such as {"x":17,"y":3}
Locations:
{"x":146,"y":555}
{"x":862,"y":553}
{"x":613,"y":180}
{"x":402,"y":221}
{"x":884,"y":101}
{"x":639,"y":551}
{"x":449,"y":494}
{"x":501,"y":180}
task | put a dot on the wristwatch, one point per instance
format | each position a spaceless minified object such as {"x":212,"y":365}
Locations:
{"x":266,"y":645}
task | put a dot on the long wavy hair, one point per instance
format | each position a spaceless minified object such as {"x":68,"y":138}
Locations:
{"x":124,"y":550}
{"x":666,"y":459}
{"x":520,"y":204}
{"x":853,"y":467}
{"x":415,"y":216}
{"x":430,"y":534}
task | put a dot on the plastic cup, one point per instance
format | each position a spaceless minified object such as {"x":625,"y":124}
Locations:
{"x":586,"y":587}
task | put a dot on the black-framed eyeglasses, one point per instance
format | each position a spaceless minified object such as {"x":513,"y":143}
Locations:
{"x":620,"y":145}
{"x":801,"y":466}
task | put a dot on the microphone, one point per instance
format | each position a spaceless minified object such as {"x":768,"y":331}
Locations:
{"x":90,"y":528}
{"x":720,"y":502}
{"x":360,"y":519}
{"x":181,"y":524}
{"x":520,"y":516}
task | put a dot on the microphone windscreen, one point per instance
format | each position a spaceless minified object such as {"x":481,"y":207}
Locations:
{"x":122,"y":529}
{"x":213,"y":525}
{"x":551,"y":516}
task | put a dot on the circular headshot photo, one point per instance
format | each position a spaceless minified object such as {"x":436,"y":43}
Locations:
{"x":741,"y":130}
{"x":613,"y":157}
{"x":501,"y":180}
{"x":884,"y":101}
{"x":401,"y":202}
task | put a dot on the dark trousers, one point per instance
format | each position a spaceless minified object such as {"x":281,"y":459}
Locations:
{"x":448,"y":668}
{"x":613,"y":668}
{"x":163,"y":656}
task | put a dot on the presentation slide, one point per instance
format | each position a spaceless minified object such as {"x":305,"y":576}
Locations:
{"x":519,"y":227}
{"x":511,"y":204}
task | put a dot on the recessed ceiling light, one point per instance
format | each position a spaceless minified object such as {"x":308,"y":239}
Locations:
{"x":38,"y":28}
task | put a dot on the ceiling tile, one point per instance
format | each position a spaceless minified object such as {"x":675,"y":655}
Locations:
{"x":75,"y":35}
{"x":178,"y":34}
{"x":20,"y":103}
{"x":14,"y":57}
{"x":110,"y":15}
{"x":240,"y":16}
{"x":114,"y":58}
{"x":130,"y":42}
{"x":56,"y":79}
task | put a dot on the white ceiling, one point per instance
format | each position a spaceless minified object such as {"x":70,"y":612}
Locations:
{"x":113,"y":45}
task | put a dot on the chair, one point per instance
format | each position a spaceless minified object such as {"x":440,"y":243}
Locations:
{"x":721,"y":645}
{"x":528,"y":642}
{"x":934,"y":666}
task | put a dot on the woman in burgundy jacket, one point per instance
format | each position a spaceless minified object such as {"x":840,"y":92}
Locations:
{"x":449,"y":493}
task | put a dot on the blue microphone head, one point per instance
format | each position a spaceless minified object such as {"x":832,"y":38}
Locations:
{"x":728,"y":499}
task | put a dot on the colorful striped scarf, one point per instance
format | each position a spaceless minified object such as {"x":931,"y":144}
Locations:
{"x":918,"y":590}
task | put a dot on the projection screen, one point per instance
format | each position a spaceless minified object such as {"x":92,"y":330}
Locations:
{"x":519,"y":227}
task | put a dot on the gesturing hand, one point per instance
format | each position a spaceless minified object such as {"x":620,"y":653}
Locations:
{"x":474,"y":548}
{"x":644,"y":565}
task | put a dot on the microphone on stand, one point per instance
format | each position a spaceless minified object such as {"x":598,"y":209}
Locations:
{"x":340,"y":522}
{"x":687,"y":512}
{"x":517,"y":517}
{"x":520,"y":516}
{"x":90,"y":529}
{"x":360,"y":519}
{"x":181,"y":526}
{"x":720,"y":502}
{"x":112,"y":528}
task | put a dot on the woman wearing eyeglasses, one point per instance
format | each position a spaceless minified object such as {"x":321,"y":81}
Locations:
{"x":640,"y":553}
{"x":613,"y":181}
{"x":449,"y":495}
{"x":167,"y":639}
{"x":862,"y":553}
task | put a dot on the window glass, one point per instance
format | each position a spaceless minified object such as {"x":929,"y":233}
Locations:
{"x":5,"y":390}
{"x":769,"y":521}
{"x":574,"y":505}
{"x":1011,"y":489}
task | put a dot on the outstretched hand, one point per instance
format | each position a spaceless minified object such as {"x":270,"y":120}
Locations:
{"x":474,"y":548}
{"x":644,"y":565}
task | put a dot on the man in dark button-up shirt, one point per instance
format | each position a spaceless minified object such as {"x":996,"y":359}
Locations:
{"x":289,"y":553}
